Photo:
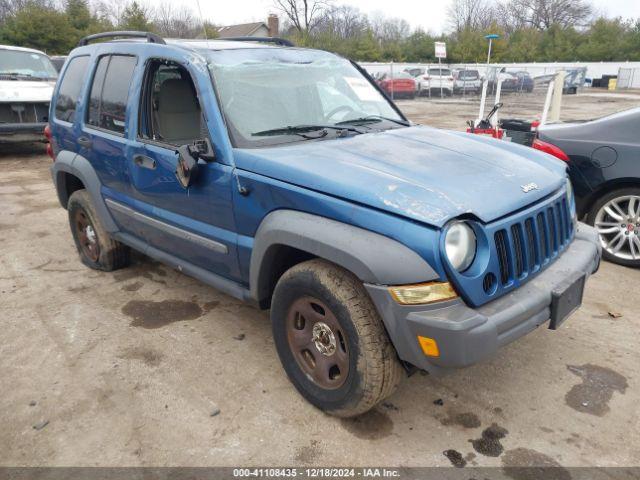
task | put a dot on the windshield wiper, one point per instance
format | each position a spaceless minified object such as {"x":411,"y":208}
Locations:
{"x":301,"y":130}
{"x":373,"y":119}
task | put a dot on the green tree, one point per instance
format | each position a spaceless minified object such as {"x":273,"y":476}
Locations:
{"x":523,"y":45}
{"x":606,"y":40}
{"x":135,"y":17}
{"x":41,"y":28}
{"x":79,"y":14}
{"x":559,"y":44}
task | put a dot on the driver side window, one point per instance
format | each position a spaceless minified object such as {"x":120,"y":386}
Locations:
{"x":170,"y":110}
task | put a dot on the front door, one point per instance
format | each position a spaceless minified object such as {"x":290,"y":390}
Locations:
{"x":195,"y":224}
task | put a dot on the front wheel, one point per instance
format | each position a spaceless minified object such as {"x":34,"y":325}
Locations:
{"x":331,"y":341}
{"x":616,"y":217}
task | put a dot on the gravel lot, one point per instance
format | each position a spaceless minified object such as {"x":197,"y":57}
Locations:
{"x":126,"y":368}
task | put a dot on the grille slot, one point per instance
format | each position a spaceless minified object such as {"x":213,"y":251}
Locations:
{"x":517,"y":249}
{"x":531,"y":244}
{"x":503,"y":258}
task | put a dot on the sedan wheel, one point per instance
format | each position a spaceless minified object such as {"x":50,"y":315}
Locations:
{"x":617,"y":221}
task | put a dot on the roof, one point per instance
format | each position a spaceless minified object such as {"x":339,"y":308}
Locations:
{"x":240,"y":30}
{"x":21,"y":49}
{"x":216,"y":44}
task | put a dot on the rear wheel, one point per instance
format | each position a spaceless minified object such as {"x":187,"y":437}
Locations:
{"x":96,"y":248}
{"x":616,"y":217}
{"x":331,"y":340}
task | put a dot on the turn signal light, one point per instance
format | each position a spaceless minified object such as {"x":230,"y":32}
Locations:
{"x":422,"y":293}
{"x":429,"y":346}
{"x":550,"y":149}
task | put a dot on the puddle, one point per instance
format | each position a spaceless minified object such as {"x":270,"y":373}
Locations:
{"x":148,"y":356}
{"x":489,"y":444}
{"x":372,"y":425}
{"x":526,"y":464}
{"x":148,"y":314}
{"x":592,"y":396}
{"x":465,"y":420}
{"x":455,"y":457}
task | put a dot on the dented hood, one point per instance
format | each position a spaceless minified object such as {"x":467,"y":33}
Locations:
{"x":422,"y":173}
{"x":26,"y":91}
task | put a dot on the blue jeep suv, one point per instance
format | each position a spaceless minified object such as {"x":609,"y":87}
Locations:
{"x":284,"y":177}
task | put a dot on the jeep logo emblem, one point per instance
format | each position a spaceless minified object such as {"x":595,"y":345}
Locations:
{"x":529,"y":187}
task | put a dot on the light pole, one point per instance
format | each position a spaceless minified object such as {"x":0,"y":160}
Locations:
{"x":491,"y":37}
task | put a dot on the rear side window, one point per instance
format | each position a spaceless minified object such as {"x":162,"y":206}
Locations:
{"x":110,"y":91}
{"x":70,"y":88}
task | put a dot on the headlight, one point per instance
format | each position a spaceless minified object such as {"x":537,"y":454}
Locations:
{"x":460,"y":245}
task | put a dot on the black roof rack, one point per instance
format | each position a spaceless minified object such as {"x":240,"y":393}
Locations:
{"x":283,"y":42}
{"x":151,"y":37}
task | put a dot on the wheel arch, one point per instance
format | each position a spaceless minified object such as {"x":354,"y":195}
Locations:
{"x":288,"y":237}
{"x":71,"y":172}
{"x":608,"y":187}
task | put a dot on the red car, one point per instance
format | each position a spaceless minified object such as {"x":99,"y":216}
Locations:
{"x":401,"y":85}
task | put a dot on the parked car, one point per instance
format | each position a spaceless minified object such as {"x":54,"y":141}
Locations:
{"x":603,"y":156}
{"x":435,"y":80}
{"x":58,"y":61}
{"x":509,"y":82}
{"x":467,"y":81}
{"x":398,"y":85}
{"x":380,"y":246}
{"x":524,"y":82}
{"x":27,"y":78}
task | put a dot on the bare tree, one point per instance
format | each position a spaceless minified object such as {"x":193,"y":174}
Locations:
{"x":471,"y":14}
{"x":304,"y":15}
{"x":343,"y":21}
{"x":541,"y":14}
{"x":176,"y":22}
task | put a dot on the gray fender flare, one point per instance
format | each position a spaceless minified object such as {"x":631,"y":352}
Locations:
{"x":373,"y":258}
{"x":69,"y":162}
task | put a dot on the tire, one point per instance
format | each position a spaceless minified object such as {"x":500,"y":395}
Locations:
{"x":354,"y":339}
{"x":611,"y":228}
{"x":96,"y":248}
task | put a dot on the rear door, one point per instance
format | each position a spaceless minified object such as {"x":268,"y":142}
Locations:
{"x":102,"y":139}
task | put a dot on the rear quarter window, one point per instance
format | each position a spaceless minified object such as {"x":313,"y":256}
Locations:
{"x":70,"y":88}
{"x":110,"y":92}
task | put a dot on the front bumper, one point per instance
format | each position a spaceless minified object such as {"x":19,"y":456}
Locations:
{"x":22,"y":132}
{"x":466,"y":336}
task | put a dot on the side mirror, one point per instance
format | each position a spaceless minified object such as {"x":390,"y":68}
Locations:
{"x":187,"y":166}
{"x":188,"y":156}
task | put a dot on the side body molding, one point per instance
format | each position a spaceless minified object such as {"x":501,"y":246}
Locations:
{"x":70,"y":162}
{"x":373,"y":258}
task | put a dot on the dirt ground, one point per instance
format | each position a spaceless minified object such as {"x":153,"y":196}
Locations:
{"x":128,"y":368}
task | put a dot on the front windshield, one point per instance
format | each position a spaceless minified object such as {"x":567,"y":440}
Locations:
{"x":26,"y":64}
{"x":265,"y":89}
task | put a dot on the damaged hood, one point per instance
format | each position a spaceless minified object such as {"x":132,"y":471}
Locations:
{"x":26,"y":91}
{"x":422,"y":173}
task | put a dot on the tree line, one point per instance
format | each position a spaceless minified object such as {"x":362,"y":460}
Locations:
{"x":530,"y":30}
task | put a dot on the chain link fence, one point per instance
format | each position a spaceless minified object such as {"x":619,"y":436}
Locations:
{"x":442,"y":80}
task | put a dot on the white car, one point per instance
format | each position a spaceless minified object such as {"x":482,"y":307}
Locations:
{"x":27,"y":78}
{"x":434,"y":79}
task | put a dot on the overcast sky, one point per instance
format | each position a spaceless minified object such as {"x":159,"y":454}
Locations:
{"x":428,"y":14}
